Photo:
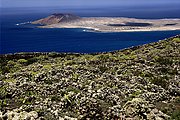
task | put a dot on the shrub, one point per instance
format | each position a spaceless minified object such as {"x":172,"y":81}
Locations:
{"x":69,"y":62}
{"x":175,"y":115}
{"x":55,"y":98}
{"x":11,"y":63}
{"x":125,"y":57}
{"x":48,"y":67}
{"x":103,"y":69}
{"x":176,"y":40}
{"x":177,"y":100}
{"x":3,"y":92}
{"x":22,"y":61}
{"x":32,"y":60}
{"x":4,"y":69}
{"x":10,"y":80}
{"x":165,"y":61}
{"x":53,"y":54}
{"x":75,"y":76}
{"x":160,"y":81}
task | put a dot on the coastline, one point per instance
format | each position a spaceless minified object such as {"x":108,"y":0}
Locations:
{"x":91,"y":29}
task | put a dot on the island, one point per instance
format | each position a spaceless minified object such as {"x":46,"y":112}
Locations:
{"x":108,"y":24}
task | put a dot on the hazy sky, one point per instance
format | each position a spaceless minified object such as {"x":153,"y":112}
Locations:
{"x":82,"y":3}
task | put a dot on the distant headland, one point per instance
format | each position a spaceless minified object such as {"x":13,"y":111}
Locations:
{"x":57,"y":18}
{"x":108,"y":24}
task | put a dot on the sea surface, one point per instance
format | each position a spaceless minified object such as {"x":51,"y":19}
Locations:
{"x":17,"y":35}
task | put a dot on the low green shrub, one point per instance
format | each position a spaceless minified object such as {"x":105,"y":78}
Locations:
{"x":22,"y":61}
{"x":176,"y":40}
{"x":160,"y":81}
{"x":175,"y":115}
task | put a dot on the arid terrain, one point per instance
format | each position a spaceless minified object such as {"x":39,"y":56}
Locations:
{"x":108,"y":24}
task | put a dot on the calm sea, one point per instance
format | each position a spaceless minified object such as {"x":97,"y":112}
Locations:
{"x":29,"y":38}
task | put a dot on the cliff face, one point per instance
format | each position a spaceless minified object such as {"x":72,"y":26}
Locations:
{"x":57,"y":18}
{"x":139,"y":83}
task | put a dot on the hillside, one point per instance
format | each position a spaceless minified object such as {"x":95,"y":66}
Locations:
{"x":141,"y":82}
{"x":57,"y":18}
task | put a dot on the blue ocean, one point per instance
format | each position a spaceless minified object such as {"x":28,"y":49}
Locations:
{"x":28,"y":38}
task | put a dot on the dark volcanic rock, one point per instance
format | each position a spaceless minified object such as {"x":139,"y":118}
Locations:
{"x":57,"y":18}
{"x":170,"y":24}
{"x":133,"y":24}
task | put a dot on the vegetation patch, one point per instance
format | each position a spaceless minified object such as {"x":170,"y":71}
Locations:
{"x":136,"y":83}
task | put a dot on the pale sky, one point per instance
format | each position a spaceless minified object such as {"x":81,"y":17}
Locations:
{"x":83,"y":3}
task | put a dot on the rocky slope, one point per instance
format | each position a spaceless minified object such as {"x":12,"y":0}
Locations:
{"x":57,"y":18}
{"x":137,"y":83}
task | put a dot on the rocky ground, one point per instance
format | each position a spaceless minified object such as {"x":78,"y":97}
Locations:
{"x":133,"y":84}
{"x":108,"y":24}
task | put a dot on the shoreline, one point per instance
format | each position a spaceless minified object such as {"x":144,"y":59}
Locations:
{"x":90,"y":29}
